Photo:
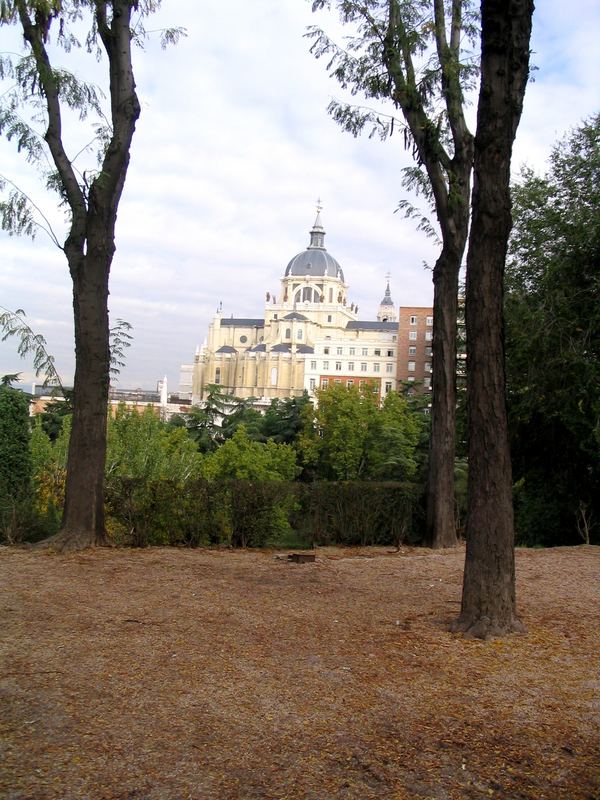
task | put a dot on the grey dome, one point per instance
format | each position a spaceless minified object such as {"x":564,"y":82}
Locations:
{"x":315,"y":261}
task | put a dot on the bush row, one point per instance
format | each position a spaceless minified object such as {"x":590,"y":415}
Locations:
{"x":241,"y":513}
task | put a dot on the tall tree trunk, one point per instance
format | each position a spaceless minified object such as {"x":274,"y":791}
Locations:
{"x":440,"y":521}
{"x":83,"y":515}
{"x":489,"y":599}
{"x":454,"y":222}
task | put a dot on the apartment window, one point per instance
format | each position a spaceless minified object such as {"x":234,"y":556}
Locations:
{"x":326,"y":365}
{"x":349,"y":382}
{"x":412,"y":351}
{"x":389,"y":367}
{"x":351,"y":366}
{"x":413,"y":320}
{"x":361,"y":384}
{"x":429,"y":322}
{"x":377,"y":352}
{"x":326,"y":351}
{"x":375,"y":367}
{"x":339,"y":351}
{"x":428,"y":367}
{"x":412,"y":335}
{"x":365,"y":351}
{"x":388,"y":387}
{"x":410,"y":378}
{"x":428,"y":336}
{"x":353,"y":351}
{"x":324,"y":383}
{"x":428,"y":351}
{"x":411,"y":366}
{"x":338,"y":366}
{"x":311,"y":384}
{"x":427,"y":383}
{"x":313,"y":366}
{"x":363,"y":366}
{"x":390,"y":353}
{"x":337,"y":381}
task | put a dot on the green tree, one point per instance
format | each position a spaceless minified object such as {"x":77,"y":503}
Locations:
{"x":91,"y":198}
{"x":15,"y":461}
{"x":335,"y":441}
{"x":553,"y":342}
{"x":393,"y":441}
{"x":489,"y":599}
{"x":244,"y":414}
{"x":143,"y":447}
{"x":204,"y":422}
{"x":283,"y":420}
{"x":241,"y":458}
{"x":415,"y":54}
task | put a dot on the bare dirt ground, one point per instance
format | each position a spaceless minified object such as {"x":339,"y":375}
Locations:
{"x":163,"y":674}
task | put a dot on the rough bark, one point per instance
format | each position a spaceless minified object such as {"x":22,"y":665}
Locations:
{"x":89,"y":249}
{"x":488,"y":600}
{"x":440,"y":518}
{"x":449,"y":176}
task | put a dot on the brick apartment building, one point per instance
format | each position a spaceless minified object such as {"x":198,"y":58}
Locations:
{"x":415,"y":335}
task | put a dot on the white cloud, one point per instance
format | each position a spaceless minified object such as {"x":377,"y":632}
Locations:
{"x":233,"y":148}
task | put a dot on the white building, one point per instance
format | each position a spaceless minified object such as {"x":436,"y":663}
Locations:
{"x":309,"y":336}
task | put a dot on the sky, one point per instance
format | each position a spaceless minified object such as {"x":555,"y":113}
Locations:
{"x":233,"y":149}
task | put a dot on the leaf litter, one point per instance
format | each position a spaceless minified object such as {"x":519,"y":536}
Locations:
{"x":164,"y":674}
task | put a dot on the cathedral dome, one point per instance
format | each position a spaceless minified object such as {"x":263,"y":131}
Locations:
{"x":315,"y":261}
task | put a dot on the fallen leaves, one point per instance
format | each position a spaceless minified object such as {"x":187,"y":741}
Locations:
{"x":168,"y":674}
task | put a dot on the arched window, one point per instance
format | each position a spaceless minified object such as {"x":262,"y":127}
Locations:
{"x":274,"y":376}
{"x":288,"y":333}
{"x":299,"y":334}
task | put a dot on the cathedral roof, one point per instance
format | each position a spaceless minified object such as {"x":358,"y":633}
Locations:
{"x":368,"y":325}
{"x":226,"y":349}
{"x":295,"y":315}
{"x":281,"y":348}
{"x":315,"y":261}
{"x":242,"y":323}
{"x":305,"y":348}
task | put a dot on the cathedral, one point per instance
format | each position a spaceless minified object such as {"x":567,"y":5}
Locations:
{"x":310,"y":336}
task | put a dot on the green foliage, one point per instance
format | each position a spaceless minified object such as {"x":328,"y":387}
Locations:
{"x":553,"y":341}
{"x":240,"y":458}
{"x":141,"y":446}
{"x":355,"y":512}
{"x":283,"y":421}
{"x":348,"y":436}
{"x":204,"y":422}
{"x":244,"y":414}
{"x":15,"y":463}
{"x":12,"y":323}
{"x":120,"y":339}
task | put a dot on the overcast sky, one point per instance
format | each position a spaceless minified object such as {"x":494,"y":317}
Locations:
{"x":232,"y":150}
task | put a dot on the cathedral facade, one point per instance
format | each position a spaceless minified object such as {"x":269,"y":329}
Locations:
{"x":310,"y":336}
